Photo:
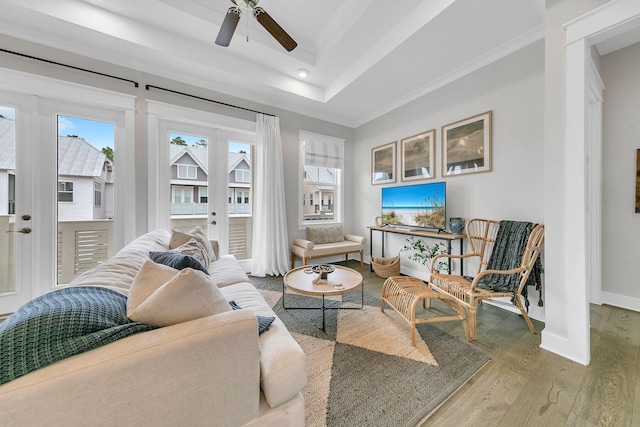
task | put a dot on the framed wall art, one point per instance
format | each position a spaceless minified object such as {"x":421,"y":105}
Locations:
{"x":383,"y":164}
{"x":466,"y":145}
{"x":418,"y":156}
{"x":638,"y":181}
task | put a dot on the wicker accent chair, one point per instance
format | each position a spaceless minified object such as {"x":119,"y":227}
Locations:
{"x":481,"y":234}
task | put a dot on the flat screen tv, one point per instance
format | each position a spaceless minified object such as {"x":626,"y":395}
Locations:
{"x":415,"y":206}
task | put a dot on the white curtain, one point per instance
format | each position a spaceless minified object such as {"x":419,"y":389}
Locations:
{"x":270,"y":241}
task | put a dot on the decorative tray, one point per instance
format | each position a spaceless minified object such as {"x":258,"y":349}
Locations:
{"x":323,"y":268}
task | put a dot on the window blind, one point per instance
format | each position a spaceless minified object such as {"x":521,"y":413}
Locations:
{"x":322,"y":151}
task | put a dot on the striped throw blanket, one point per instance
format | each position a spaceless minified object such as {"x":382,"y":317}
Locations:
{"x":511,"y":241}
{"x":60,"y":324}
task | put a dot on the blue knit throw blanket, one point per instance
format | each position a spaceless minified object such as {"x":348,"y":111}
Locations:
{"x":60,"y":324}
{"x":511,"y":242}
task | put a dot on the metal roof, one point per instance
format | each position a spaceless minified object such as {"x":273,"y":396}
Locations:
{"x":76,"y":157}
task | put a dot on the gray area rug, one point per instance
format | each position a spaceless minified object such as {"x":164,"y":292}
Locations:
{"x":363,"y":370}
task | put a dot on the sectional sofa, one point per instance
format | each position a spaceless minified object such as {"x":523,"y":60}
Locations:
{"x":214,"y":370}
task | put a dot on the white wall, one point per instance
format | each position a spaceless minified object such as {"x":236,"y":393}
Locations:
{"x":81,"y":209}
{"x":621,"y":139}
{"x":513,"y":88}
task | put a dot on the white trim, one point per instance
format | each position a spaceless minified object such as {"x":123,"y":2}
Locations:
{"x":200,"y":118}
{"x":622,"y":301}
{"x":604,"y":22}
{"x":595,"y":26}
{"x":561,"y":346}
{"x":46,"y":87}
{"x":594,"y":184}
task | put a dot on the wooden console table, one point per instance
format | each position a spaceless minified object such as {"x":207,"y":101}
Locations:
{"x":447,"y":237}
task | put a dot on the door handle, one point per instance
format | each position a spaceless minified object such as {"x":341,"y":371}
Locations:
{"x":23,"y":230}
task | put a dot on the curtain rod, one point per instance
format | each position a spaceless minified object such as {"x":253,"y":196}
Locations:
{"x":69,"y":66}
{"x":207,"y":99}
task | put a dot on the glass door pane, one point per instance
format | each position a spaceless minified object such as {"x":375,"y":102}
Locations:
{"x":240,"y":179}
{"x":189,"y":164}
{"x":85,"y":195}
{"x":7,"y":200}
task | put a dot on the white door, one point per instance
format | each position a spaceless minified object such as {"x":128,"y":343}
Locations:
{"x":206,"y":140}
{"x":16,"y":234}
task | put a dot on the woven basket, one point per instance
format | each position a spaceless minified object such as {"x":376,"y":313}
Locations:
{"x":386,"y":267}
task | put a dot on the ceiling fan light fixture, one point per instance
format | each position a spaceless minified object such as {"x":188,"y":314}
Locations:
{"x":303,"y":73}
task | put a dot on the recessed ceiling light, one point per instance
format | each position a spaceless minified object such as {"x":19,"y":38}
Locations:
{"x":302,"y":73}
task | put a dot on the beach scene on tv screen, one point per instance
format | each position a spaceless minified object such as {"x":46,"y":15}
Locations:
{"x":421,"y":205}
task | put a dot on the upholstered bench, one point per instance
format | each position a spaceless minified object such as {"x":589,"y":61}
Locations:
{"x":326,"y":241}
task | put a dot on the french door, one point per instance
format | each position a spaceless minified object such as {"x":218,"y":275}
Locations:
{"x":16,"y":198}
{"x":210,"y":162}
{"x":31,"y":188}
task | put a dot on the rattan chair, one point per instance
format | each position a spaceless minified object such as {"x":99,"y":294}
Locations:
{"x":481,"y":234}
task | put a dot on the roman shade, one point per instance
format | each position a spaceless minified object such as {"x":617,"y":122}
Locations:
{"x":322,"y":151}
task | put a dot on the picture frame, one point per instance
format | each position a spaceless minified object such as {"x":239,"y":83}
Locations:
{"x":638,"y":180}
{"x":418,"y":156}
{"x":466,"y":145}
{"x":383,"y":164}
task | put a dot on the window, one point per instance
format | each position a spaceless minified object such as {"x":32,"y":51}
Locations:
{"x":322,"y":160}
{"x":202,"y":195}
{"x":97,"y":194}
{"x":65,"y":191}
{"x":242,"y":196}
{"x":243,"y":175}
{"x":187,"y":172}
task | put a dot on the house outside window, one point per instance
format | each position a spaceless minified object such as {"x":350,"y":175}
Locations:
{"x":202,"y":195}
{"x":187,"y":171}
{"x":321,"y":178}
{"x":243,"y":175}
{"x":65,"y":191}
{"x":97,"y":194}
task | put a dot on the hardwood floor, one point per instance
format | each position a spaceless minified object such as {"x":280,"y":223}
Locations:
{"x":524,"y":385}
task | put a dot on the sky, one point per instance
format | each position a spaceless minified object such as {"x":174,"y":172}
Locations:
{"x":98,"y":134}
{"x":102,"y":134}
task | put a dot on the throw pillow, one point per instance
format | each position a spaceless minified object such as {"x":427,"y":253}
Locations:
{"x":177,"y":260}
{"x":189,"y":295}
{"x":150,"y":277}
{"x":263,"y":321}
{"x":195,"y":249}
{"x":325,"y":234}
{"x":179,"y":238}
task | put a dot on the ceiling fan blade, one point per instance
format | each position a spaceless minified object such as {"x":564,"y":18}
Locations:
{"x":228,"y":26}
{"x":274,"y":29}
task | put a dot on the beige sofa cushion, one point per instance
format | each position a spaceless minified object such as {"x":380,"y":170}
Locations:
{"x":283,"y":370}
{"x":118,"y":272}
{"x":160,"y":297}
{"x":227,"y":271}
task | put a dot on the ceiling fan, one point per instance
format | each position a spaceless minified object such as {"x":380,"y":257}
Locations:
{"x":233,"y":16}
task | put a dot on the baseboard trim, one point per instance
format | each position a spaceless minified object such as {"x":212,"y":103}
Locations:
{"x":621,"y":301}
{"x":562,"y":347}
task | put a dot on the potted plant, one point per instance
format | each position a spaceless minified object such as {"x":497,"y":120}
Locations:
{"x":423,"y":253}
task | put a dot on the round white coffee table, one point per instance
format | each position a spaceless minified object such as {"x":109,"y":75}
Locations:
{"x":342,"y":281}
